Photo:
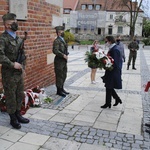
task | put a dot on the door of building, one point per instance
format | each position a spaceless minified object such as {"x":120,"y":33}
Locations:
{"x":99,"y":31}
{"x":110,"y":30}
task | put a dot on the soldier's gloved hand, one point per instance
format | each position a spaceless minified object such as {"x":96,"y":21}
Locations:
{"x":17,"y":65}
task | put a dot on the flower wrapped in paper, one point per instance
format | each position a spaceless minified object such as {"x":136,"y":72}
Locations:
{"x":100,"y":59}
{"x":91,"y":60}
{"x":32,"y":98}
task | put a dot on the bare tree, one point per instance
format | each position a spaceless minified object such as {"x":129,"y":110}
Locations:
{"x":134,"y":8}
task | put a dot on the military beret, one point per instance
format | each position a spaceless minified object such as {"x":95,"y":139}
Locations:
{"x":59,"y":28}
{"x":9,"y":16}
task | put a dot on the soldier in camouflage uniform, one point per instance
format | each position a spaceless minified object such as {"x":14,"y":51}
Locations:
{"x":60,"y":49}
{"x":12,"y":71}
{"x":133,"y":47}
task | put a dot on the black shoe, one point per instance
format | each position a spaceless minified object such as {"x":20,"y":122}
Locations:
{"x":147,"y":125}
{"x":14,"y":122}
{"x":106,"y":105}
{"x":20,"y":118}
{"x":148,"y":131}
{"x":65,"y":91}
{"x":117,"y":102}
{"x":134,"y":68}
{"x":61,"y":94}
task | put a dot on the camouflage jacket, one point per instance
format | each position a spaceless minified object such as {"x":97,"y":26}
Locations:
{"x":9,"y":50}
{"x":60,"y":47}
{"x":133,"y":46}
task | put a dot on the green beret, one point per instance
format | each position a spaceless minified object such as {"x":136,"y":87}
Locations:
{"x":9,"y":16}
{"x":59,"y":28}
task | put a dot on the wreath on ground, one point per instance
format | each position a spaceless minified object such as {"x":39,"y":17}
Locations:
{"x":33,"y":98}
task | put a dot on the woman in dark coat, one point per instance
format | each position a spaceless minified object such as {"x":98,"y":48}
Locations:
{"x":112,"y":78}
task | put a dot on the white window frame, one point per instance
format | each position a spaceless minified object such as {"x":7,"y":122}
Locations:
{"x":83,"y":7}
{"x":66,"y":11}
{"x":97,"y":7}
{"x":90,"y":7}
{"x":111,"y":17}
{"x":120,"y":29}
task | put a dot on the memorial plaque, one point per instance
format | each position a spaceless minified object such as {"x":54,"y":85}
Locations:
{"x":19,"y":7}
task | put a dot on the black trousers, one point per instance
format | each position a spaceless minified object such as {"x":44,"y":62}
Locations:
{"x":109,"y":94}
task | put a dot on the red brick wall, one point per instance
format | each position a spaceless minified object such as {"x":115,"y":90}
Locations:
{"x":39,"y":41}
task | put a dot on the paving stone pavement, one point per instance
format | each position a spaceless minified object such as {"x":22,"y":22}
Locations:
{"x":77,"y":122}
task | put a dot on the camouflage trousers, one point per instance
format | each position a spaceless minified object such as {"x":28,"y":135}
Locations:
{"x":60,"y":73}
{"x":132,"y":57}
{"x":13,"y":90}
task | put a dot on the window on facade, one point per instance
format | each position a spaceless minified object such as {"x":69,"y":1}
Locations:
{"x":85,"y":28}
{"x":92,"y":28}
{"x":83,"y":7}
{"x":111,"y":16}
{"x":110,"y":30}
{"x":99,"y":31}
{"x":120,"y":29}
{"x":79,"y":28}
{"x":76,"y":30}
{"x":97,"y":7}
{"x":120,"y":18}
{"x":90,"y":7}
{"x":66,"y":11}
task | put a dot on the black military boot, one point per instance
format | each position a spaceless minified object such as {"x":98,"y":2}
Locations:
{"x":14,"y":122}
{"x":20,"y":118}
{"x":133,"y":67}
{"x":127,"y":67}
{"x":64,"y":91}
{"x":60,"y":92}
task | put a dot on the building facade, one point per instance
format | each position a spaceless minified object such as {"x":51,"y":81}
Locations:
{"x":97,"y":18}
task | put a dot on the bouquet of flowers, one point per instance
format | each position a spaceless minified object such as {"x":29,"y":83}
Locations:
{"x":100,"y":60}
{"x":2,"y":103}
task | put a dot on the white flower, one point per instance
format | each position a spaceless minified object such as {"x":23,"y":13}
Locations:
{"x":99,"y":55}
{"x":108,"y":63}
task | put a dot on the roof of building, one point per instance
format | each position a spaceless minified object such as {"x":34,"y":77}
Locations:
{"x":70,"y":4}
{"x":107,"y":5}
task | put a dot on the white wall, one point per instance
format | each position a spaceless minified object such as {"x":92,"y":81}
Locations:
{"x":126,"y":28}
{"x":57,"y":20}
{"x":55,"y":2}
{"x":107,"y":22}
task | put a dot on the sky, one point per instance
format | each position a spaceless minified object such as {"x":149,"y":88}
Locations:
{"x":149,"y":8}
{"x":146,"y":8}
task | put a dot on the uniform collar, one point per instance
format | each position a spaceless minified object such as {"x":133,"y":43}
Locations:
{"x":13,"y":34}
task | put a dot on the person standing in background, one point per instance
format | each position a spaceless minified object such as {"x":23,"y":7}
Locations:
{"x":60,"y":49}
{"x":12,"y":71}
{"x":133,"y":47}
{"x":95,"y":48}
{"x":121,"y":49}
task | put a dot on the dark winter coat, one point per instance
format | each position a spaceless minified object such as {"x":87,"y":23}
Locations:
{"x":112,"y":79}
